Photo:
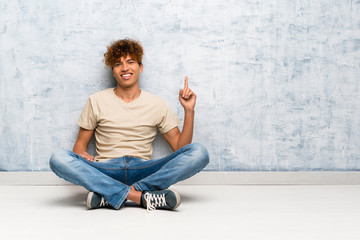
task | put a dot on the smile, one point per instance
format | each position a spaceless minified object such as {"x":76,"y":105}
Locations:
{"x":126,"y":76}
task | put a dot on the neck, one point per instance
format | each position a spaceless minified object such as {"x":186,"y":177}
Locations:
{"x":127,"y":95}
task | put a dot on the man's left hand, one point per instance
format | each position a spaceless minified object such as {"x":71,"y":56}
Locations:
{"x":187,"y":97}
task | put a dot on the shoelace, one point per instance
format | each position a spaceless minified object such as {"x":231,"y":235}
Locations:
{"x":154,"y":200}
{"x":103,"y":203}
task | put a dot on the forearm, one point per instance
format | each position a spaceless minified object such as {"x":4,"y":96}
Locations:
{"x":82,"y":142}
{"x":188,"y":128}
{"x":79,"y":147}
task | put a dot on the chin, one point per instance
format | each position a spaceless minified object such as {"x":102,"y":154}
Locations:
{"x":130,"y":85}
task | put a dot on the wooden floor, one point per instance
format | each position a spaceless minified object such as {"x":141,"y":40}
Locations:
{"x":207,"y":212}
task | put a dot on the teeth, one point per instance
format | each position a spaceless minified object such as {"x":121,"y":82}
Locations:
{"x":126,"y":75}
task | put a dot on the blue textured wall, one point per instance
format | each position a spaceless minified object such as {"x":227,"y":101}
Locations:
{"x":277,"y":81}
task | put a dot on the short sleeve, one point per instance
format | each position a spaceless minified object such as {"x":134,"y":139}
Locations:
{"x":168,"y":119}
{"x":87,"y":118}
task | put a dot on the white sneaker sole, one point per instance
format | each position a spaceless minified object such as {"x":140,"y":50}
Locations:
{"x":88,"y":201}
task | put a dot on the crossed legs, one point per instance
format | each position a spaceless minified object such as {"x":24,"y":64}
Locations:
{"x":127,"y":178}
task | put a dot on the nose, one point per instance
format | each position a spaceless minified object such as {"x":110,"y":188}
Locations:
{"x":125,"y":67}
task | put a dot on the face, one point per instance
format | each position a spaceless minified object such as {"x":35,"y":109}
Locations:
{"x":127,"y":72}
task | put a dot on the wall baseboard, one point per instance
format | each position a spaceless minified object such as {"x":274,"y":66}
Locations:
{"x":207,"y":178}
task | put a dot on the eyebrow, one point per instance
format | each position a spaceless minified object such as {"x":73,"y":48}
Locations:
{"x":127,"y":60}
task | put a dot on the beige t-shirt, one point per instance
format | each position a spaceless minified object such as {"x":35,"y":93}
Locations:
{"x":126,"y":129}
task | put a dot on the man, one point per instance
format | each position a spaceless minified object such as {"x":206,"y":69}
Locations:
{"x":125,"y":121}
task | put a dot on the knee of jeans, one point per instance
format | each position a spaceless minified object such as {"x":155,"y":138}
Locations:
{"x":58,"y":158}
{"x":201,"y":154}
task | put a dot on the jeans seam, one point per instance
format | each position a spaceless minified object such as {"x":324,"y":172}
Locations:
{"x":125,"y":172}
{"x":121,"y":199}
{"x":138,"y":187}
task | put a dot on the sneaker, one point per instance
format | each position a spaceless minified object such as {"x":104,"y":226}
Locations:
{"x":95,"y":200}
{"x":165,"y":199}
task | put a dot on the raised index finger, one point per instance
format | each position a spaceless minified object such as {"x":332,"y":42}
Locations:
{"x":186,"y":82}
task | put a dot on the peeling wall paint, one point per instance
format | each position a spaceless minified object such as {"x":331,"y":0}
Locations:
{"x":277,"y":81}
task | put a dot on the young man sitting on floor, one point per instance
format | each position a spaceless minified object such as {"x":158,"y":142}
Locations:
{"x":125,"y":120}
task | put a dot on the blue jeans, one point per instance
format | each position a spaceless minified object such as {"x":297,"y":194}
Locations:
{"x":113,"y":178}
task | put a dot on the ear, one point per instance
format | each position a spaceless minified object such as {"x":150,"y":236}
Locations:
{"x":141,"y":67}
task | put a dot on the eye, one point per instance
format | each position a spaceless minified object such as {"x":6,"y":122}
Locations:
{"x":117,"y":64}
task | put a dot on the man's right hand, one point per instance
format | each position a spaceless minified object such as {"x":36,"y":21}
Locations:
{"x":87,"y":156}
